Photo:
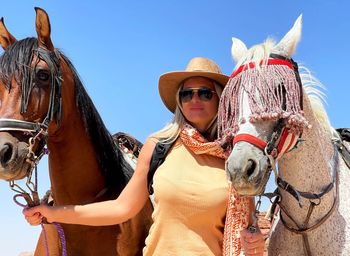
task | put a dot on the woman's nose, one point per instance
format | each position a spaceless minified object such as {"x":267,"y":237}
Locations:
{"x":195,"y":97}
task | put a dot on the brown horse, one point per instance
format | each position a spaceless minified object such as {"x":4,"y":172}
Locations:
{"x":43,"y":101}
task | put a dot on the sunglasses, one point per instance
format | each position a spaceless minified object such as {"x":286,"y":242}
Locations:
{"x":204,"y":94}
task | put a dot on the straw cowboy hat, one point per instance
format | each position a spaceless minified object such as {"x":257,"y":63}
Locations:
{"x":170,"y":82}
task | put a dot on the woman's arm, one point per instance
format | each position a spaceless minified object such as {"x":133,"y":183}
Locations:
{"x":253,"y":243}
{"x":111,"y":212}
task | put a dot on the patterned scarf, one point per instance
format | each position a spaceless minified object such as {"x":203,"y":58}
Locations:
{"x":195,"y":141}
{"x":237,"y":218}
{"x":238,"y":207}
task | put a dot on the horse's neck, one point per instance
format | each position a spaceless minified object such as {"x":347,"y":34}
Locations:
{"x":308,"y":168}
{"x":74,"y":171}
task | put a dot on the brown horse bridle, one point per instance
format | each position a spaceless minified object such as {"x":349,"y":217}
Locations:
{"x":274,"y":149}
{"x":38,"y":130}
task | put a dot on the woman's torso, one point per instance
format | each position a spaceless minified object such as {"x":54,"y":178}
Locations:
{"x":190,"y":193}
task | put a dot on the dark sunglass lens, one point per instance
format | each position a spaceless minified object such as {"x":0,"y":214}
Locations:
{"x":205,"y":94}
{"x":186,"y":95}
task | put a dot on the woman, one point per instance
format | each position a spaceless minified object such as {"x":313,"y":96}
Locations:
{"x":190,"y":187}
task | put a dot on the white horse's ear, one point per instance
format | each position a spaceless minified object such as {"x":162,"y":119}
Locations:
{"x":238,"y":49}
{"x":286,"y":47}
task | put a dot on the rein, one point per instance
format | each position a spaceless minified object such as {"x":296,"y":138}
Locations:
{"x":314,"y":199}
{"x":273,"y":152}
{"x":272,"y":149}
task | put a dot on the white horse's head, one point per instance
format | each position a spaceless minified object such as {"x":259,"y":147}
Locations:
{"x":261,"y":109}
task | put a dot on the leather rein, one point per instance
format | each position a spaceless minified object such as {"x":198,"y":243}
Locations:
{"x":281,"y":141}
{"x":38,"y":131}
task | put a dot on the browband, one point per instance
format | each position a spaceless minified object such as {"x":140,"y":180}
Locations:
{"x":273,"y":61}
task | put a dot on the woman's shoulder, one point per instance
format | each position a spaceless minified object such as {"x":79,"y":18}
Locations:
{"x":152,"y":139}
{"x":149,"y":145}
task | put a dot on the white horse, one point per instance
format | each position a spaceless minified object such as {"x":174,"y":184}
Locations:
{"x":268,"y":110}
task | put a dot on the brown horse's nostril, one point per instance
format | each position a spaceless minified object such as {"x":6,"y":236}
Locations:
{"x":6,"y":154}
{"x":251,"y":165}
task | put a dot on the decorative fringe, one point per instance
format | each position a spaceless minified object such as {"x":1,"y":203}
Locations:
{"x":273,"y":93}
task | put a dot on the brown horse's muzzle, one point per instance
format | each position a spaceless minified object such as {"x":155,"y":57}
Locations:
{"x":13,"y":155}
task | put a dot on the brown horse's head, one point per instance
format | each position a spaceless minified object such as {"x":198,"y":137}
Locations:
{"x":29,"y":97}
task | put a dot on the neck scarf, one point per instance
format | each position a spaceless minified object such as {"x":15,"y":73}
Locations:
{"x":237,"y":214}
{"x":195,"y":141}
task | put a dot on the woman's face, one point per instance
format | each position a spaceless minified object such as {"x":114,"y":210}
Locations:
{"x":199,"y":110}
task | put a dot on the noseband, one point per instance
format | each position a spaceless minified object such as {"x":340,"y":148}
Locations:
{"x":282,"y":141}
{"x":38,"y":130}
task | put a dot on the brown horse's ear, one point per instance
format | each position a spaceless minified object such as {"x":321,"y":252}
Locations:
{"x":43,"y":29}
{"x":6,"y":39}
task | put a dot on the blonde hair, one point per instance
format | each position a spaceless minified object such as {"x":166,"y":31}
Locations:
{"x":171,"y":131}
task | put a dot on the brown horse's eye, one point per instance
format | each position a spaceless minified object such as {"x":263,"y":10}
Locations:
{"x":42,"y":75}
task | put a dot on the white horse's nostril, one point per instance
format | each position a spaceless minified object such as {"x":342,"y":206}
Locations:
{"x":250,"y":167}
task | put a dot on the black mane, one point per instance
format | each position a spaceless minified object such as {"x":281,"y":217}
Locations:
{"x":15,"y":62}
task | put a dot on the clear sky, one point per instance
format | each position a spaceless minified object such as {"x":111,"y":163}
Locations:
{"x":121,"y":47}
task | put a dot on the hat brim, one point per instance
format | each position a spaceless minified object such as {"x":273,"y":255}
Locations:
{"x":170,"y":82}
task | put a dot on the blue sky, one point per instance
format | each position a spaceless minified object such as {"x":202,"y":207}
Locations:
{"x":121,"y":47}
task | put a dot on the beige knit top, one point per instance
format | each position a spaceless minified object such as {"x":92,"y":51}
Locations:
{"x":190,"y":193}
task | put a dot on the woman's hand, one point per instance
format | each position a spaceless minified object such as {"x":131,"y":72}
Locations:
{"x":34,"y":215}
{"x":253,"y":243}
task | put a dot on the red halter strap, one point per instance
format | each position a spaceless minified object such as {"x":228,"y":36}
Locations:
{"x":259,"y":143}
{"x":283,"y":140}
{"x":268,"y":62}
